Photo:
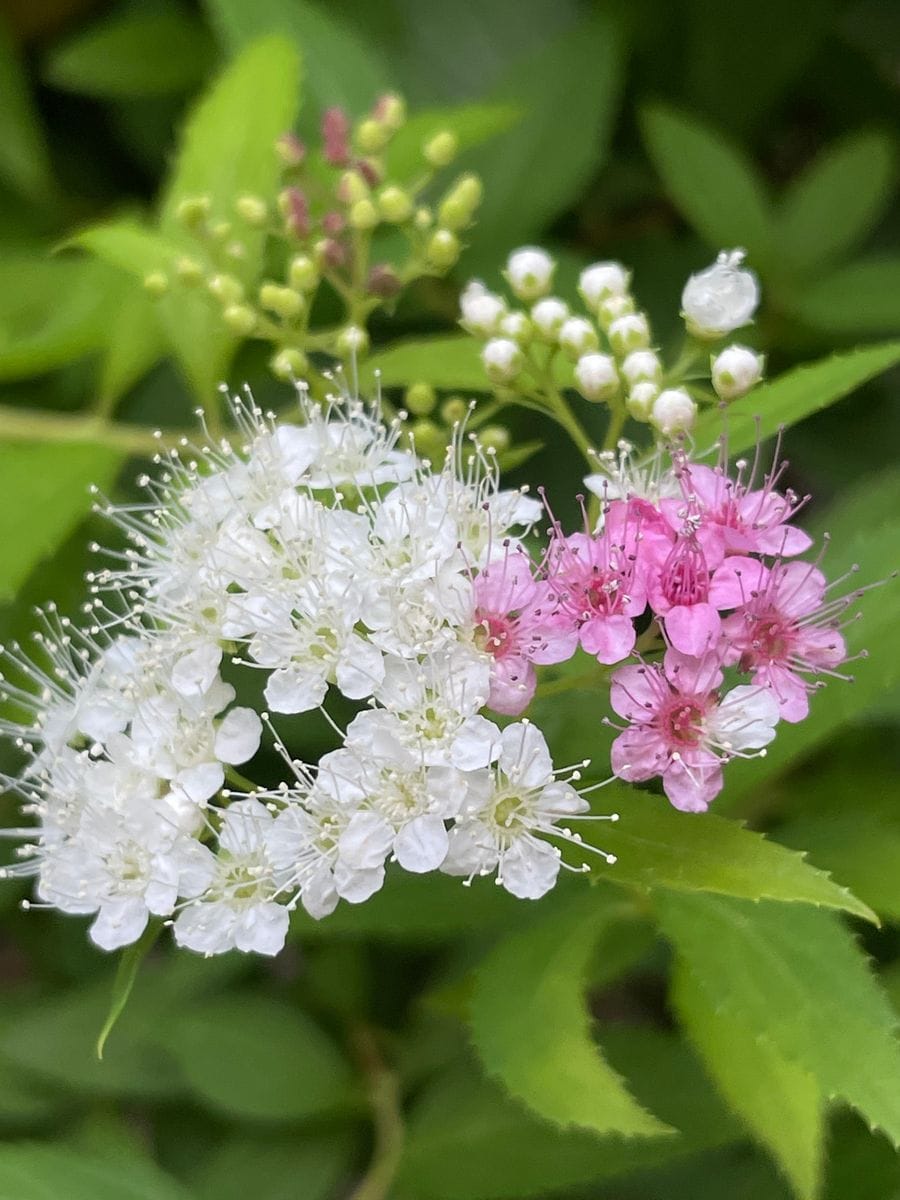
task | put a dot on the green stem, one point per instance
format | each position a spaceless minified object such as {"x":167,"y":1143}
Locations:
{"x":238,"y":780}
{"x":32,"y":425}
{"x":556,"y":687}
{"x":561,"y":410}
{"x":387,"y":1120}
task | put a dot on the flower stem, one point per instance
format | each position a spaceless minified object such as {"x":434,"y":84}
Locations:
{"x":562,"y":412}
{"x":387,"y":1120}
{"x":33,"y":425}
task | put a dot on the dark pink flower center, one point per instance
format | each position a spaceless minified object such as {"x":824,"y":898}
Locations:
{"x":682,"y":720}
{"x":494,"y":633}
{"x":685,"y":575}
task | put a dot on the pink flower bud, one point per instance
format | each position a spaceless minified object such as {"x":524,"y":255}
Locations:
{"x":336,"y":136}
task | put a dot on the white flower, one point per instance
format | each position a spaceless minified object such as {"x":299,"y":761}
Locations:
{"x":577,"y":336}
{"x":735,"y":371}
{"x":530,"y":272}
{"x":601,"y":280}
{"x":548,"y":317}
{"x":721,"y":298}
{"x":233,"y":893}
{"x":505,"y":811}
{"x":502,"y":360}
{"x":481,"y":310}
{"x":623,"y":475}
{"x":597,"y":377}
{"x":673,"y":411}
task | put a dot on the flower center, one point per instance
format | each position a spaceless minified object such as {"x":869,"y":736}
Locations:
{"x":493,"y":634}
{"x":682,"y":721}
{"x":685,"y":576}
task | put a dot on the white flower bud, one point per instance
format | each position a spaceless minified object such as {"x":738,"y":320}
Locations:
{"x":481,"y":310}
{"x":601,"y":280}
{"x":530,"y":272}
{"x":673,"y":412}
{"x":631,"y":332}
{"x":612,"y":308}
{"x":548,"y":316}
{"x":502,"y":360}
{"x":597,"y":377}
{"x":641,"y":365}
{"x":517,"y":326}
{"x":721,"y":298}
{"x":640,"y":399}
{"x":578,"y":336}
{"x":735,"y":371}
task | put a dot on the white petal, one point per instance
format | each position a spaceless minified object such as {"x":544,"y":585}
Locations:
{"x":422,"y":844}
{"x":364,"y":844}
{"x":194,"y":672}
{"x":476,"y":744}
{"x":201,"y":782}
{"x":360,"y":669}
{"x":237,"y":738}
{"x":529,"y":870}
{"x":319,"y":895}
{"x":206,"y":928}
{"x":293,"y":690}
{"x":262,"y":929}
{"x":119,"y":923}
{"x":746,"y":718}
{"x":357,"y":886}
{"x":524,"y":755}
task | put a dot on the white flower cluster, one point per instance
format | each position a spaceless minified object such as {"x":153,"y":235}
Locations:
{"x":319,"y":559}
{"x":610,"y":348}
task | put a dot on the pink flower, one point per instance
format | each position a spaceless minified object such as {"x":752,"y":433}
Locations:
{"x":681,"y":729}
{"x":784,"y":630}
{"x":515,"y":625}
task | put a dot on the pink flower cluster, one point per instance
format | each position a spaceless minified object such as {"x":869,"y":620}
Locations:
{"x":694,"y":578}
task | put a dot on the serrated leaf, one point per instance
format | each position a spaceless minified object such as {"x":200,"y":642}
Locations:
{"x":834,"y":203}
{"x":530,"y":1025}
{"x":134,"y":52}
{"x":258,"y":1059}
{"x":472,"y":124}
{"x":780,"y":1102}
{"x":24,"y":161}
{"x":658,"y":847}
{"x":35,"y":1171}
{"x":861,"y":298}
{"x":715,"y":188}
{"x":447,"y":360}
{"x":467,"y":1140}
{"x":795,"y":395}
{"x":795,"y":977}
{"x":44,"y":490}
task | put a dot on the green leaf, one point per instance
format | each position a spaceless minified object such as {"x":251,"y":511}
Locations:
{"x":135,"y":52}
{"x":258,"y":1059}
{"x":797,"y":980}
{"x":831,"y":207}
{"x":572,"y":83}
{"x":658,"y":847}
{"x":472,"y":124}
{"x":136,"y":342}
{"x":44,"y":490}
{"x":467,"y":1140}
{"x":310,"y":1166}
{"x":780,"y":1102}
{"x":715,"y":188}
{"x":531,"y":1029}
{"x":795,"y":395}
{"x":32,"y":1171}
{"x":865,"y":531}
{"x":126,"y":973}
{"x":446,"y":360}
{"x":341,"y":68}
{"x":24,"y":162}
{"x":861,"y":298}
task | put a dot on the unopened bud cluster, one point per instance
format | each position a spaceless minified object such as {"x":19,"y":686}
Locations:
{"x":331,"y":201}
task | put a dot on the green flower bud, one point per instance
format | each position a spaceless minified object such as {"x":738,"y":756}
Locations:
{"x":372,"y":136}
{"x":430,"y":440}
{"x":253,"y":210}
{"x":454,"y":410}
{"x":283,"y":301}
{"x":458,"y":206}
{"x":189,"y":271}
{"x":423,"y":218}
{"x":441,"y":150}
{"x":364,"y":215}
{"x":240,"y":319}
{"x":236,"y":251}
{"x":420,"y":399}
{"x":220,"y":231}
{"x":395,"y":205}
{"x":193,"y":211}
{"x":443,"y":249}
{"x":226,"y":289}
{"x":612,"y":308}
{"x":391,"y":110}
{"x":352,"y":340}
{"x":303,"y":274}
{"x":494,"y":438}
{"x":289,"y":364}
{"x":352,"y":188}
{"x":156,"y":284}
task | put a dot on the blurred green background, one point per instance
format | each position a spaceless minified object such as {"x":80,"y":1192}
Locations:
{"x":651,"y":132}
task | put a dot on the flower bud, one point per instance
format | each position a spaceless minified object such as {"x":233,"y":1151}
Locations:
{"x":290,"y":150}
{"x":333,"y":222}
{"x":481,"y":310}
{"x":721,"y":298}
{"x":502,"y":360}
{"x":423,"y":218}
{"x":303,"y":274}
{"x":189,"y":271}
{"x":420,"y":399}
{"x":283,"y":301}
{"x":226,"y":289}
{"x":642,"y":365}
{"x":193,"y":211}
{"x":735,"y":371}
{"x":294,"y":207}
{"x":220,"y":231}
{"x":612,"y":308}
{"x":156,"y":284}
{"x":236,"y":251}
{"x":454,"y":410}
{"x":530,"y":272}
{"x":548,"y":317}
{"x":517,"y":326}
{"x":240,"y":319}
{"x":441,"y":150}
{"x":352,"y":340}
{"x":363,"y":215}
{"x":458,"y":207}
{"x":631,"y":332}
{"x":443,"y":249}
{"x":602,"y":280}
{"x":596,"y":377}
{"x":641,"y":398}
{"x":253,"y":210}
{"x":371,"y":170}
{"x":395,"y":205}
{"x":372,"y":136}
{"x":335,"y":135}
{"x":352,"y":188}
{"x":429,"y":439}
{"x":673,"y":412}
{"x":577,"y":337}
{"x":289,"y":364}
{"x":494,"y":438}
{"x":383,"y":281}
{"x":390,"y":110}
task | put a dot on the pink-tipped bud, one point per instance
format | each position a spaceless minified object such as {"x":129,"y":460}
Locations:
{"x":290,"y":150}
{"x":294,"y":208}
{"x":383,"y":281}
{"x":336,"y":136}
{"x":334,"y":253}
{"x":333,"y":223}
{"x":369,"y":171}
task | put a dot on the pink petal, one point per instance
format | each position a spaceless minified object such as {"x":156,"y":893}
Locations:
{"x":788,"y":689}
{"x":637,"y":692}
{"x":637,"y":754}
{"x":691,"y":675}
{"x":693,"y":629}
{"x":737,"y":581}
{"x":692,"y":789}
{"x":784,"y":540}
{"x":798,"y":588}
{"x":513,"y":683}
{"x":609,"y":638}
